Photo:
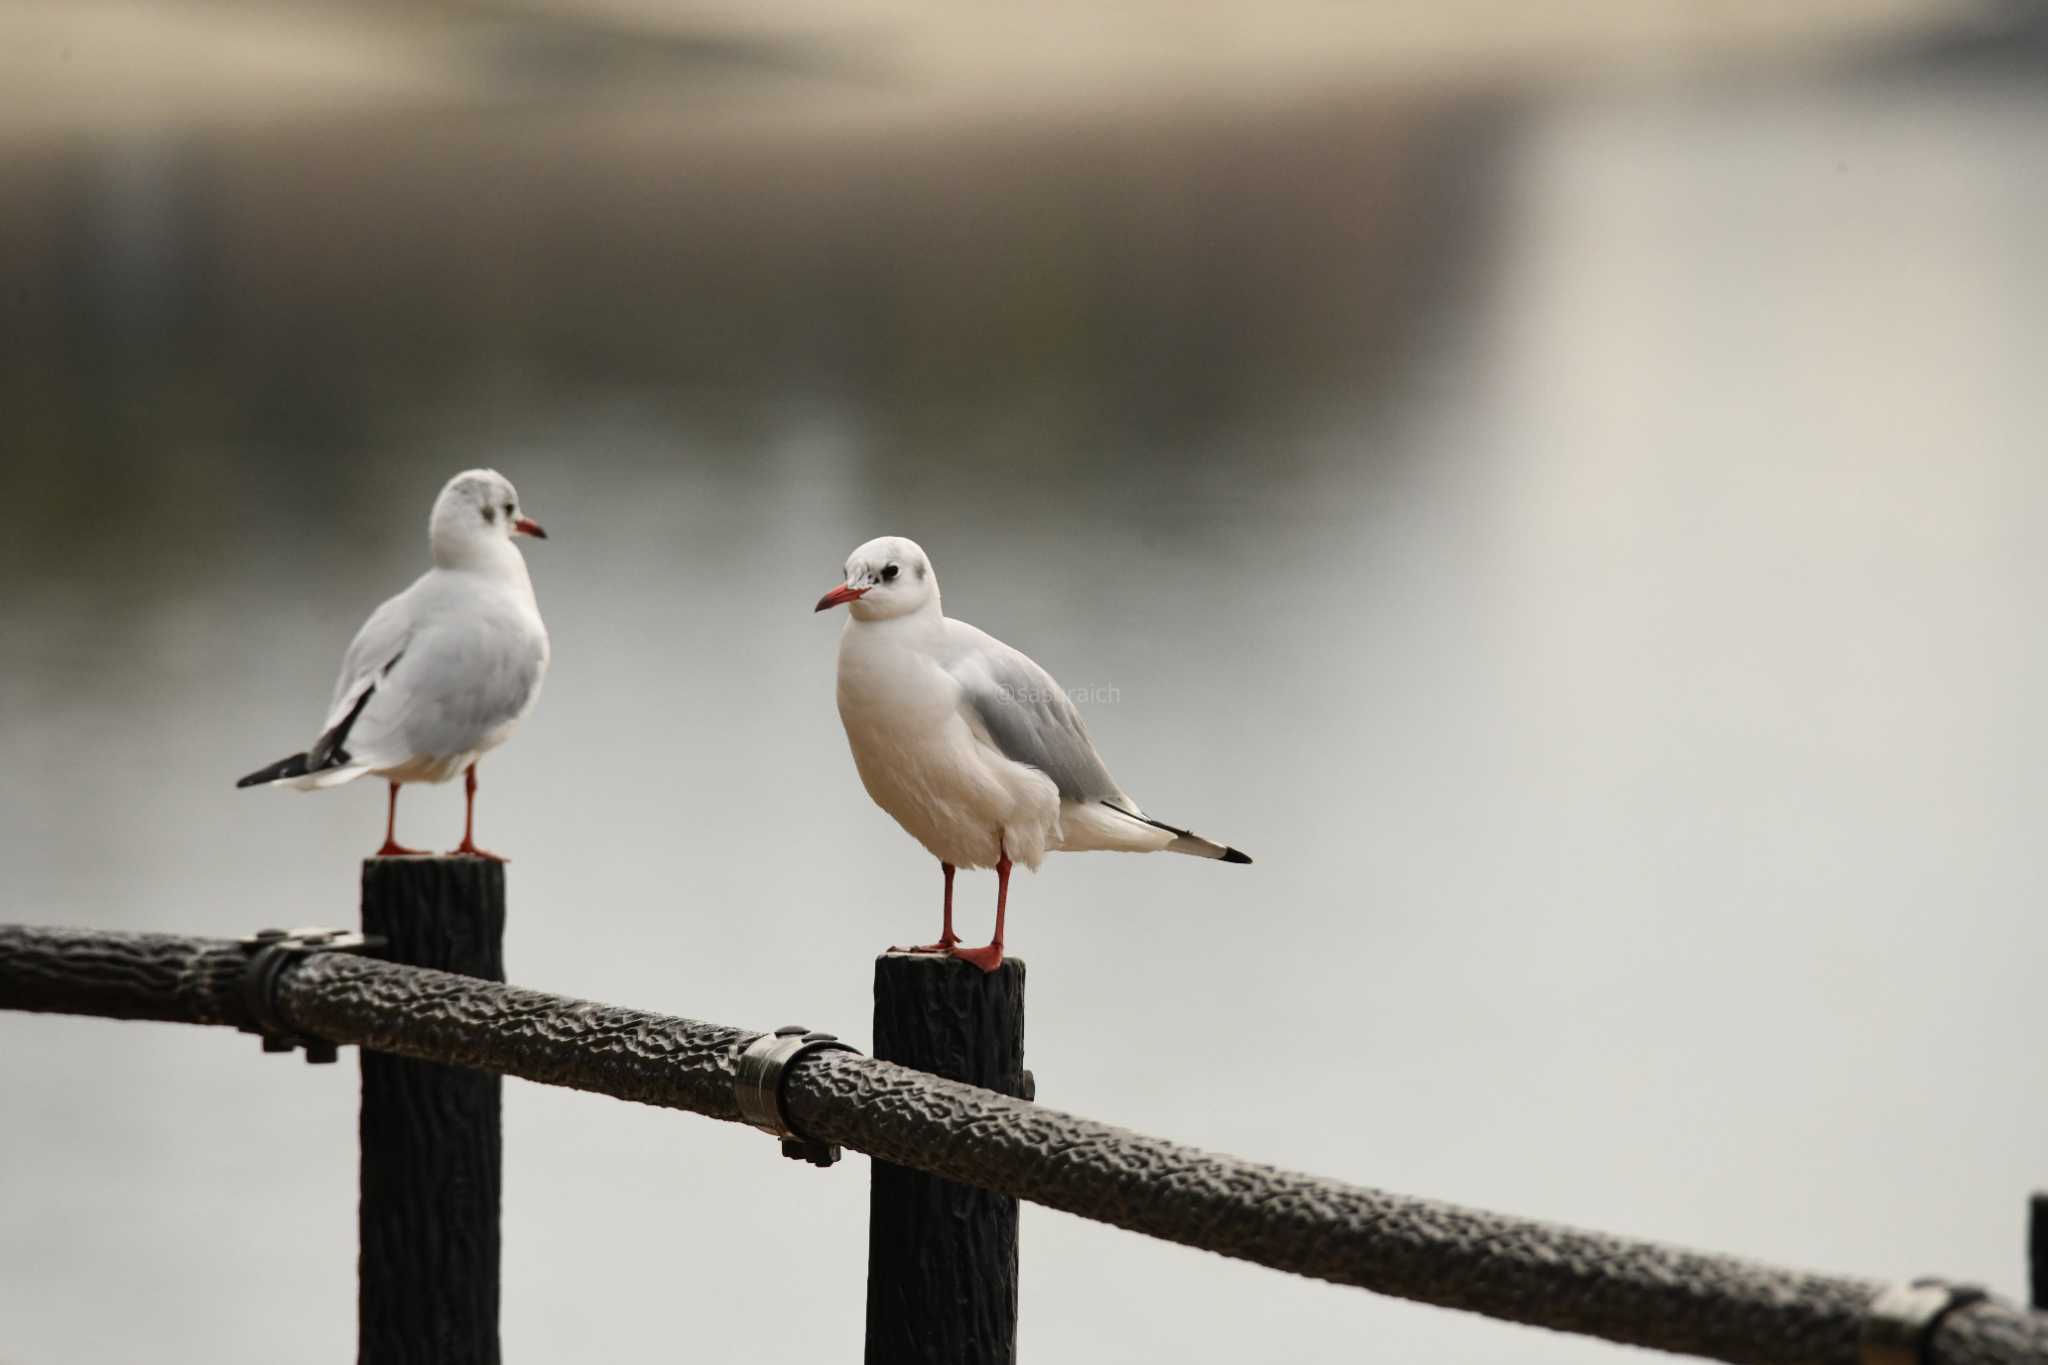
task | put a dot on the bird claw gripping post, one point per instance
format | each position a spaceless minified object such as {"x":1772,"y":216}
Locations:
{"x":270,"y":953}
{"x":758,"y":1072}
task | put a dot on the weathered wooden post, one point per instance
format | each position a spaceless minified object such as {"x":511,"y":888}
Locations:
{"x":942,"y":1258}
{"x":432,"y":1146}
{"x":2037,"y":1251}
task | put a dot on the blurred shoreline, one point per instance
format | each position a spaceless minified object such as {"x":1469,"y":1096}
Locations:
{"x":835,"y":68}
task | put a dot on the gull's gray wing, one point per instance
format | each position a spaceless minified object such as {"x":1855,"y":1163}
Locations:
{"x":381,"y":640}
{"x":378,"y":646}
{"x":461,"y":680}
{"x":461,"y":666}
{"x":1028,"y":717}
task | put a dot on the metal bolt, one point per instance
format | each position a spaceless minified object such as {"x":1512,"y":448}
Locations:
{"x":819,"y":1154}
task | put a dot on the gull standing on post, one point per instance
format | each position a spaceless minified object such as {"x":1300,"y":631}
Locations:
{"x":971,"y":746}
{"x":440,"y":674}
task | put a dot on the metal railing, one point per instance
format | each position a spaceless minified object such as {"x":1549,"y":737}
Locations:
{"x":1519,"y":1270}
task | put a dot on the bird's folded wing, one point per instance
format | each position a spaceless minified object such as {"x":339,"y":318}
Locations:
{"x":1026,"y":716}
{"x":377,"y":648}
{"x":370,"y":655}
{"x":457,"y":681}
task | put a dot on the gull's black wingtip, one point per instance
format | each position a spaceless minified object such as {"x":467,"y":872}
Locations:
{"x":1231,"y":855}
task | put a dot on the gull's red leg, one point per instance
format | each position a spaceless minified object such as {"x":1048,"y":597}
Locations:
{"x":468,"y":844}
{"x":991,"y":957}
{"x":392,"y":848}
{"x":947,"y":938}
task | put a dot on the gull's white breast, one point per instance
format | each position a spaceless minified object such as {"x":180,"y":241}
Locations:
{"x":922,"y":761}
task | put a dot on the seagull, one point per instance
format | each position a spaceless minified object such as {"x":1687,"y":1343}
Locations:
{"x":440,"y":674}
{"x":970,"y":745}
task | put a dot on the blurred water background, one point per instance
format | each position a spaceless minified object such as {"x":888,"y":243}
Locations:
{"x":1563,"y":492}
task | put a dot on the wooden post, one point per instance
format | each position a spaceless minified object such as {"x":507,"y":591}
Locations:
{"x":2037,"y":1251}
{"x":431,"y":1142}
{"x":942,"y":1258}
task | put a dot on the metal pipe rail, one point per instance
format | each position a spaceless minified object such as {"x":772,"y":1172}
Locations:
{"x":1516,"y":1269}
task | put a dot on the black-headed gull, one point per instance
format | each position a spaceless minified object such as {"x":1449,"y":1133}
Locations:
{"x":440,"y":674}
{"x":971,"y":746}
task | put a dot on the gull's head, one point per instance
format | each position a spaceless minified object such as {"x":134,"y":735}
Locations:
{"x":477,"y":511}
{"x":890,"y":576}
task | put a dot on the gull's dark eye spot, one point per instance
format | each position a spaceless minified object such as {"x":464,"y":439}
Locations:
{"x":508,"y":509}
{"x":490,"y":515}
{"x":889,"y":574}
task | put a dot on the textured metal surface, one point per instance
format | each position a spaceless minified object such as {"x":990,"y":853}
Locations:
{"x":1510,"y":1268}
{"x":631,"y":1054}
{"x":1988,"y":1333}
{"x":165,"y":977}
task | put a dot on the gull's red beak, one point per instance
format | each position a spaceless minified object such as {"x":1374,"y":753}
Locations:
{"x":842,"y":593}
{"x":527,"y":526}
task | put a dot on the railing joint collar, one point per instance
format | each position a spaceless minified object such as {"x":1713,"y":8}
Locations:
{"x":1902,"y":1319}
{"x":760,"y":1068}
{"x":270,"y":953}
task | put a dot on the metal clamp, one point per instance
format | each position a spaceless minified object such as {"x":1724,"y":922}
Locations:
{"x":1901,"y":1319}
{"x":758,"y":1072}
{"x":270,"y":953}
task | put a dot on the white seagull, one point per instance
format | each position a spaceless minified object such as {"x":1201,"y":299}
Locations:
{"x":440,"y":674}
{"x":971,"y":746}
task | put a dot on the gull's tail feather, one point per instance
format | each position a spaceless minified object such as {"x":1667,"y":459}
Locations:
{"x":281,"y":771}
{"x":1195,"y":846}
{"x":1184,"y":841}
{"x":296,"y":772}
{"x":326,"y":764}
